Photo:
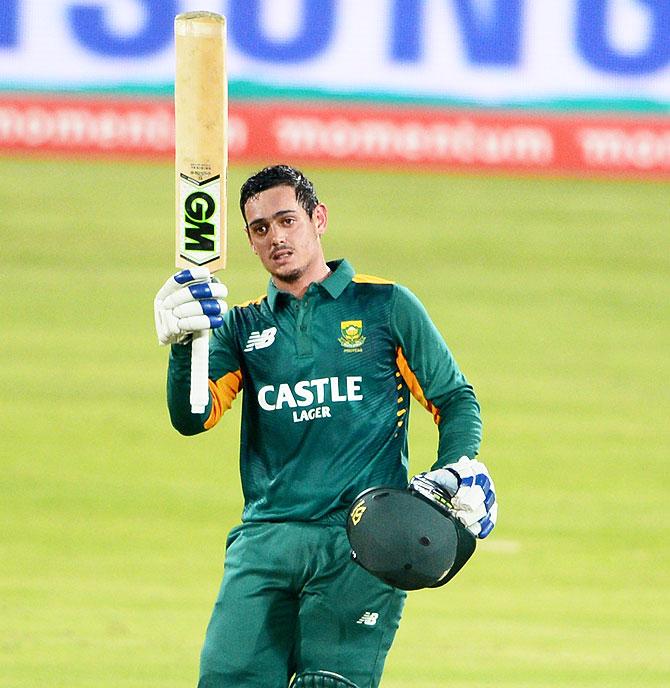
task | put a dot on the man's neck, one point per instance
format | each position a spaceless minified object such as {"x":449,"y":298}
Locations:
{"x":300,"y":286}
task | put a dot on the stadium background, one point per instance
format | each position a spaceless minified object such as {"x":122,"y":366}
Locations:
{"x":507,"y":160}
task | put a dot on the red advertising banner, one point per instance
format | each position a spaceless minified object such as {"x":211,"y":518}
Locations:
{"x":350,"y":134}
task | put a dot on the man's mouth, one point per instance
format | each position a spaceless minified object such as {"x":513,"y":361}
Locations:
{"x":281,"y":254}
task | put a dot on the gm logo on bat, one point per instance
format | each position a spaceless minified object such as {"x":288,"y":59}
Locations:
{"x":200,"y":243}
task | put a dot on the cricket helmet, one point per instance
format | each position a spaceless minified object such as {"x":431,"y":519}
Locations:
{"x":407,"y":539}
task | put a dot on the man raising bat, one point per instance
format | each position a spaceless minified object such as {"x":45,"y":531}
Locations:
{"x":326,"y":361}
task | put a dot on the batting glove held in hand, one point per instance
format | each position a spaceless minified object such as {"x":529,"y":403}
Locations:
{"x":190,"y":301}
{"x":474,"y":501}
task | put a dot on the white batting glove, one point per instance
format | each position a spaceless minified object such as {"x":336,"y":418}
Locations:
{"x":190,"y":301}
{"x":473,"y":502}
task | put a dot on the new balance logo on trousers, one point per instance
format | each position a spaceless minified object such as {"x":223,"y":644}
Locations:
{"x":368,"y":619}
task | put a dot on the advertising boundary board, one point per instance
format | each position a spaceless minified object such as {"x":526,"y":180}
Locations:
{"x":351,"y":134}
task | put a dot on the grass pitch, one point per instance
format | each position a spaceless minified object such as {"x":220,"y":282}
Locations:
{"x":553,"y":295}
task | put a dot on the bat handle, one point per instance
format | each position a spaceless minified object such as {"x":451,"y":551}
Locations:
{"x":199,"y":371}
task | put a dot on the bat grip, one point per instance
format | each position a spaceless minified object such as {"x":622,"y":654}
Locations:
{"x":199,"y":371}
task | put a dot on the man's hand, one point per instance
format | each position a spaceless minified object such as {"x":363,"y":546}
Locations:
{"x":473,"y":497}
{"x":190,"y":301}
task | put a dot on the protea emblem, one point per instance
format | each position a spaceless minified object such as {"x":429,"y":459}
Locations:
{"x":352,"y":338}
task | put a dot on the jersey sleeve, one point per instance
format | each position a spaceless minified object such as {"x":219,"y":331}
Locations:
{"x":434,"y":378}
{"x":225,"y":380}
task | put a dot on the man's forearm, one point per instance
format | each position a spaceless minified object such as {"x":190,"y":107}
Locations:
{"x":178,"y":390}
{"x":460,"y":427}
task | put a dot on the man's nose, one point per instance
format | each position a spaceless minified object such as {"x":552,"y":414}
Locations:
{"x":277,"y":233}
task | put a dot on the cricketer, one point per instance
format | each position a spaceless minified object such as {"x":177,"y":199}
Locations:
{"x":326,"y":361}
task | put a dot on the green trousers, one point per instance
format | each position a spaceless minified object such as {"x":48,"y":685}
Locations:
{"x":292,"y":600}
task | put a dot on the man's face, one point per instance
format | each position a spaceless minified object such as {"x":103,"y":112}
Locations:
{"x":283,"y":235}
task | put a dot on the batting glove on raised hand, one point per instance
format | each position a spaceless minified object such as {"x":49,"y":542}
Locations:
{"x":190,"y":301}
{"x":473,"y":497}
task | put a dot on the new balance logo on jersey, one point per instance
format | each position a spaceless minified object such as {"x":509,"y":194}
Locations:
{"x":368,"y":619}
{"x":261,"y":340}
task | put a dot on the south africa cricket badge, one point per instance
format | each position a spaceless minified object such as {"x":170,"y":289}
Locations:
{"x":352,"y":338}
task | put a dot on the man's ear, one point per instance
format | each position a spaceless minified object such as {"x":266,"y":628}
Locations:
{"x":320,"y":218}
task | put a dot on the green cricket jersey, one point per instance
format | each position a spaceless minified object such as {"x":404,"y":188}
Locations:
{"x":326,"y":381}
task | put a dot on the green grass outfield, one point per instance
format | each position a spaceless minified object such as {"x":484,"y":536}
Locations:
{"x":554,"y":296}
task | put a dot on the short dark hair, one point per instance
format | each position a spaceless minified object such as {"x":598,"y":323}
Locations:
{"x":280,"y":175}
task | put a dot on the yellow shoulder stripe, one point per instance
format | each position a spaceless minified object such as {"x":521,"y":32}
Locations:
{"x":415,"y":386}
{"x":370,"y":279}
{"x":224,"y":391}
{"x":248,"y":303}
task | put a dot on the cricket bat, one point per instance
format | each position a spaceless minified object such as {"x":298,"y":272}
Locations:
{"x":201,"y":158}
